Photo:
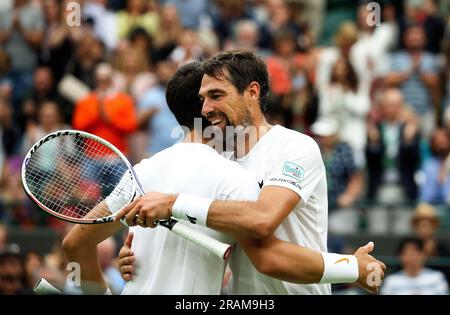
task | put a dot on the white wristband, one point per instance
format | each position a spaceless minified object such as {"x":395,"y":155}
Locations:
{"x":339,"y":268}
{"x":191,"y":208}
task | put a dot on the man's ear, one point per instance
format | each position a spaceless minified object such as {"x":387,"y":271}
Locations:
{"x":253,"y":90}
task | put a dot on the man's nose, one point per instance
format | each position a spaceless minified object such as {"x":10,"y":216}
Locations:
{"x":207,"y":108}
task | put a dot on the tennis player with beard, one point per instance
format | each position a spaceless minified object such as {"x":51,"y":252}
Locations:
{"x":292,"y":204}
{"x":165,"y":262}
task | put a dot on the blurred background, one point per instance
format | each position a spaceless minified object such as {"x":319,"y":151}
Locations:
{"x":369,"y":80}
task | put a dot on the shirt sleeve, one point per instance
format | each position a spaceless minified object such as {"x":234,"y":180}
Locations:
{"x":298,"y":167}
{"x":124,"y":192}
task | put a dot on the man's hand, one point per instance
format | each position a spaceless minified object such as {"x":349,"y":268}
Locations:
{"x":126,"y":259}
{"x":371,"y":270}
{"x":149,"y":208}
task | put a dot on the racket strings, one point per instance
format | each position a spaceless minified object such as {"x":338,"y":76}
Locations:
{"x":71,"y":174}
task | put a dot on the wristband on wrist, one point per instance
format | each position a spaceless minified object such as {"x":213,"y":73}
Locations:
{"x":339,"y":268}
{"x":191,"y":208}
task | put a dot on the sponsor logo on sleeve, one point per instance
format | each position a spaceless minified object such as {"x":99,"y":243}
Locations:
{"x":294,"y":171}
{"x":287,"y":181}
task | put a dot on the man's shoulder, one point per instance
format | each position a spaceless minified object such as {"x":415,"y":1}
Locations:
{"x":289,"y":138}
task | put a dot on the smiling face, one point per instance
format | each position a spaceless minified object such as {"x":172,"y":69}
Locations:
{"x":223,"y":105}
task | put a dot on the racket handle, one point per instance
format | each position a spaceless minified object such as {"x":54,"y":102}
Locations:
{"x":218,"y":248}
{"x":44,"y":287}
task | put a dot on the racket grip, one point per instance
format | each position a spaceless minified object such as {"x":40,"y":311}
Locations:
{"x":44,"y":287}
{"x":218,"y":248}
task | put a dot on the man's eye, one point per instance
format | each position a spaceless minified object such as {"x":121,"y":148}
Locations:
{"x":215,"y":97}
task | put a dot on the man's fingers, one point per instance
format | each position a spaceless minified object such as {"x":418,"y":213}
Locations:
{"x":383,"y":266}
{"x":125,"y":210}
{"x":131,"y":216}
{"x":127,"y":276}
{"x":129,"y":239}
{"x":126,"y":269}
{"x":125,"y":252}
{"x":126,"y":261}
{"x":368,"y":248}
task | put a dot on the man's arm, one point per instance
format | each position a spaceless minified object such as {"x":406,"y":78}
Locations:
{"x":253,"y":219}
{"x":80,"y":245}
{"x":289,"y":262}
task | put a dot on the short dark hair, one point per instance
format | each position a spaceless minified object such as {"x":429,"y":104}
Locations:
{"x":417,"y":242}
{"x":244,"y":67}
{"x":182,"y":93}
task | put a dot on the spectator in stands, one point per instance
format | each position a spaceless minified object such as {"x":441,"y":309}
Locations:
{"x":43,"y":90}
{"x":9,"y":133}
{"x":12,"y":274}
{"x":191,"y":11}
{"x":57,"y":46}
{"x":49,"y":120}
{"x":132,"y":73}
{"x":153,"y":108}
{"x":425,"y":223}
{"x":228,"y":13}
{"x":106,"y":112}
{"x":414,"y":71}
{"x":106,"y":253}
{"x":3,"y":237}
{"x":21,"y":34}
{"x":414,"y":278}
{"x":282,"y":15}
{"x":392,"y":151}
{"x":6,"y":85}
{"x":435,"y":188}
{"x":105,"y":23}
{"x":345,"y":181}
{"x":32,"y":262}
{"x":375,"y":41}
{"x":169,"y":30}
{"x":141,"y":40}
{"x":346,"y":100}
{"x":188,"y":48}
{"x":345,"y":38}
{"x":137,"y":14}
{"x":245,"y":36}
{"x":89,"y":53}
{"x":287,"y":75}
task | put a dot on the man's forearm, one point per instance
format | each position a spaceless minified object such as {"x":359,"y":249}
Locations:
{"x":283,"y":260}
{"x":92,"y":281}
{"x":239,"y":218}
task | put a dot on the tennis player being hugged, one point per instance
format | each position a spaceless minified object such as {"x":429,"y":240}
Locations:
{"x":291,"y":206}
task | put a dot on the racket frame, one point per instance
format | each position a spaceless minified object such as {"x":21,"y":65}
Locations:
{"x":218,"y":248}
{"x":137,"y":187}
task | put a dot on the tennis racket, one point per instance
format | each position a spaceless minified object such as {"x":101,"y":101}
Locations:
{"x":82,"y":178}
{"x":43,"y":287}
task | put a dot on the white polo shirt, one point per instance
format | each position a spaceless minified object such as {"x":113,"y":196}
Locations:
{"x":287,"y":158}
{"x":165,"y":263}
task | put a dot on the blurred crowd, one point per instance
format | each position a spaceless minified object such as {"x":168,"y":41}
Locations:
{"x":374,"y":91}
